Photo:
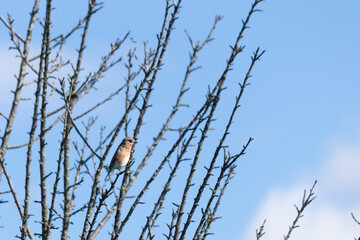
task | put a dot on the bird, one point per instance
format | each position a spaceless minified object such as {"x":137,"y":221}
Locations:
{"x":121,"y":155}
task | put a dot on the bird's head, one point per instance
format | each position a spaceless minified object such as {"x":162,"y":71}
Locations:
{"x":129,"y":141}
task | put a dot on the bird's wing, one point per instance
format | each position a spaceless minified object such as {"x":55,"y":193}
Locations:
{"x":112,"y":163}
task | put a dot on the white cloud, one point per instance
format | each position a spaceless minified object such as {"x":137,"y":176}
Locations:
{"x":328,"y":217}
{"x":327,"y":221}
{"x":322,"y":219}
{"x":342,"y":172}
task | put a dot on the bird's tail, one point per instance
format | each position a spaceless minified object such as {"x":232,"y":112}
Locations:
{"x":109,"y":169}
{"x":108,"y":174}
{"x":107,"y":177}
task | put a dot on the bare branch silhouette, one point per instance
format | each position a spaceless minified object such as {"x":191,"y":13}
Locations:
{"x":260,"y":232}
{"x":307,"y":199}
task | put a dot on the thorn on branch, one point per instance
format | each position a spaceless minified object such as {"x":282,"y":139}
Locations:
{"x":6,"y":118}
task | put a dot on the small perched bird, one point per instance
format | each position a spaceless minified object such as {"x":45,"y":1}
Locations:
{"x":122,"y":155}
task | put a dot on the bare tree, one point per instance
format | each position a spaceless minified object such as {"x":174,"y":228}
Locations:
{"x":72,"y":189}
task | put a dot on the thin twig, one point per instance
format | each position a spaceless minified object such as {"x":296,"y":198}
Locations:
{"x":352,"y":215}
{"x":6,"y":118}
{"x":260,"y":232}
{"x":17,"y":203}
{"x":307,"y":199}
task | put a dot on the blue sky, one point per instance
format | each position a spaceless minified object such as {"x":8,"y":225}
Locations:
{"x":302,"y":106}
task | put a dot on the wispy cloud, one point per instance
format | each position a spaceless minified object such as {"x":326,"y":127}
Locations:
{"x":328,"y":217}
